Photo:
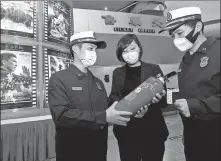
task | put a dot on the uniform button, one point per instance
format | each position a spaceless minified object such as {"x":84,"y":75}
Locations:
{"x":102,"y":127}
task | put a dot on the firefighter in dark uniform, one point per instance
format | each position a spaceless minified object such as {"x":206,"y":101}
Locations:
{"x":79,"y":106}
{"x":198,"y":99}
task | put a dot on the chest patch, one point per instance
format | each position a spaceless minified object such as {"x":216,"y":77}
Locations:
{"x":76,"y":88}
{"x":204,"y":61}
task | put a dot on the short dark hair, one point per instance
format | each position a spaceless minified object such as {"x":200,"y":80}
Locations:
{"x":7,"y":56}
{"x":71,"y":51}
{"x":192,"y":24}
{"x":124,"y":42}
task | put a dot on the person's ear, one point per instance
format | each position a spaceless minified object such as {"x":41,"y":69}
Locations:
{"x":199,"y":27}
{"x":75,"y":49}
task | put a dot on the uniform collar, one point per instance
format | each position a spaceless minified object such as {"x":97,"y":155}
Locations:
{"x":206,"y":45}
{"x":79,"y":74}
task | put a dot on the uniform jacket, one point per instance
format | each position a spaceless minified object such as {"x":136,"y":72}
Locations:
{"x":78,"y":103}
{"x":199,"y":81}
{"x":199,"y":84}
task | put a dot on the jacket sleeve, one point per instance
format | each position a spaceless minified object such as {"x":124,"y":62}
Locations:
{"x":206,"y":105}
{"x":163,"y":101}
{"x":115,"y":94}
{"x":64,"y":115}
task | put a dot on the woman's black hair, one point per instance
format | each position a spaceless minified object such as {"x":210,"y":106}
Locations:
{"x":124,"y":42}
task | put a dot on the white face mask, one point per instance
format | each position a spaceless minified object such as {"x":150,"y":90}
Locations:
{"x":187,"y":42}
{"x":131,"y":57}
{"x":89,"y":59}
{"x":182,"y":44}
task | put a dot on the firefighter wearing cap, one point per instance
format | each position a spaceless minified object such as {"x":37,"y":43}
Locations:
{"x":78,"y":105}
{"x":199,"y":83}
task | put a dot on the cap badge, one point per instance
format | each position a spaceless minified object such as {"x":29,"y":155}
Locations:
{"x":204,"y":61}
{"x":169,"y":16}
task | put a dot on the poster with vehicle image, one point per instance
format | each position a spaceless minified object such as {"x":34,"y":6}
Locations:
{"x":58,"y":18}
{"x":18,"y":76}
{"x":55,"y":61}
{"x":18,"y":18}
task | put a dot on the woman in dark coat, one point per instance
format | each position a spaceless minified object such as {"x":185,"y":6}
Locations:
{"x":143,"y":137}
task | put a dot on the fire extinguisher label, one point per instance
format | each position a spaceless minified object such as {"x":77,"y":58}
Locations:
{"x":169,"y":96}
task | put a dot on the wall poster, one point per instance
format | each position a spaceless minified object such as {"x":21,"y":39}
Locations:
{"x":57,"y":22}
{"x":18,"y":76}
{"x":18,"y":18}
{"x":54,"y":61}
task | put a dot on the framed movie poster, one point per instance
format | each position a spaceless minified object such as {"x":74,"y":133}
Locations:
{"x":57,"y":22}
{"x":18,"y":18}
{"x":54,"y":61}
{"x":18,"y":76}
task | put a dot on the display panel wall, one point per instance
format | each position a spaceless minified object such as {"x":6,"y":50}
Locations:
{"x":35,"y":52}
